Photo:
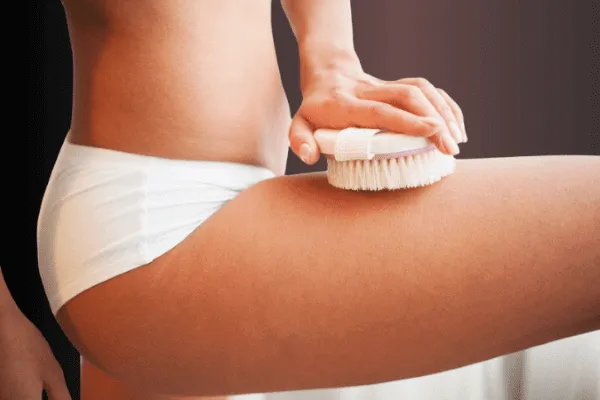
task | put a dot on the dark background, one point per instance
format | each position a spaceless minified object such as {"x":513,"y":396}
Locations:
{"x":525,"y":73}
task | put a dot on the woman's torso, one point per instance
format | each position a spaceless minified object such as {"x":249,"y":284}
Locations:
{"x":180,"y":79}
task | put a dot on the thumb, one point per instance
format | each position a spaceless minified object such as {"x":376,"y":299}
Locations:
{"x":302,"y":142}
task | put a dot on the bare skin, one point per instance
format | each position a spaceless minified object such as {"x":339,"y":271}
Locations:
{"x":28,"y":364}
{"x":97,"y":385}
{"x":294,"y":284}
{"x":369,"y":288}
{"x":180,"y":79}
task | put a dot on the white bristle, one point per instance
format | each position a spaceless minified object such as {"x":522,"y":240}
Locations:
{"x":394,"y":173}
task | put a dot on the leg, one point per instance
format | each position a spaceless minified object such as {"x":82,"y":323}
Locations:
{"x":97,"y":385}
{"x":296,"y":285}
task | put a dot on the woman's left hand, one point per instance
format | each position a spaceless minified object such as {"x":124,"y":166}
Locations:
{"x":342,"y":98}
{"x":28,"y":364}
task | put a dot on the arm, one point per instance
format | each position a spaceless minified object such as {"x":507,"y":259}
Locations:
{"x":337,"y":93}
{"x":323,"y":30}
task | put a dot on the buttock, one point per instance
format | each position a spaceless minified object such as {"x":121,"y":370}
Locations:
{"x":106,"y":212}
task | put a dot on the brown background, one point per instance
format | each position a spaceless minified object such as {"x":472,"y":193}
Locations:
{"x":525,"y":73}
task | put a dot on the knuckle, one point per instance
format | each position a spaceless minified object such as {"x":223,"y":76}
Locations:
{"x":459,"y":114}
{"x":413,"y":94}
{"x":457,"y":108}
{"x":338,"y":92}
{"x":337,"y":95}
{"x":446,"y":111}
{"x":375,"y":110}
{"x":336,"y":99}
{"x":422,"y":83}
{"x":456,"y":111}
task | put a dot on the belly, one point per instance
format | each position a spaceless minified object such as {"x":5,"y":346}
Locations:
{"x":180,"y":79}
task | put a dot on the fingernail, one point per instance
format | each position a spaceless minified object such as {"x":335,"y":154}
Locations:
{"x":465,"y":132}
{"x":450,"y":144}
{"x":456,"y":132}
{"x":305,"y":153}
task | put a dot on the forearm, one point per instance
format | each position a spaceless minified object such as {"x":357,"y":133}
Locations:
{"x":323,"y":30}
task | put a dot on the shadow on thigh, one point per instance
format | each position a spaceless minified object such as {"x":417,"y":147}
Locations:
{"x":97,"y":385}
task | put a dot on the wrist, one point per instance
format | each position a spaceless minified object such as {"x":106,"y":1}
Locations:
{"x":317,"y":59}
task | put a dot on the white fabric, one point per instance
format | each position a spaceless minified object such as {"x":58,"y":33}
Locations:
{"x":567,"y":369}
{"x":107,"y":212}
{"x":354,"y":144}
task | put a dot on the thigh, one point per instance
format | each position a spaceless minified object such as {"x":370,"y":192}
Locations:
{"x":294,"y":284}
{"x":98,"y":385}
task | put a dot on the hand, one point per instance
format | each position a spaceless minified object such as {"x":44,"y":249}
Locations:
{"x":28,"y":365}
{"x":342,"y":98}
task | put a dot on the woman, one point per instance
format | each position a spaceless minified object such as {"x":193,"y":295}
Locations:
{"x":180,"y":261}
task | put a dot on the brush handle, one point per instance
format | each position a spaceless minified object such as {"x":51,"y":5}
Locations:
{"x":366,"y":144}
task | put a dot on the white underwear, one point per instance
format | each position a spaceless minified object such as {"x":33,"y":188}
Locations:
{"x":106,"y":212}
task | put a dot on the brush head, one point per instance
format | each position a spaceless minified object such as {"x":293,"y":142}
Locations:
{"x":383,"y":160}
{"x":390,"y":173}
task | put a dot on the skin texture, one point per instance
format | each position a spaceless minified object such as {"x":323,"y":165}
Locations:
{"x":97,"y":385}
{"x":164,"y":78}
{"x":444,"y":276}
{"x":295,"y":284}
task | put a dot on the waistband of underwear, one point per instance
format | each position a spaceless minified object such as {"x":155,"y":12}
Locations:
{"x":201,"y":170}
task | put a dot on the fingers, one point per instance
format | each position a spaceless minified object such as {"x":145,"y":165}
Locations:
{"x":54,"y":383}
{"x":458,"y":114}
{"x":376,"y":114}
{"x":411,"y":106}
{"x":372,"y":113}
{"x":422,"y":101}
{"x":404,"y":96}
{"x":302,"y":141}
{"x":439,"y":103}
